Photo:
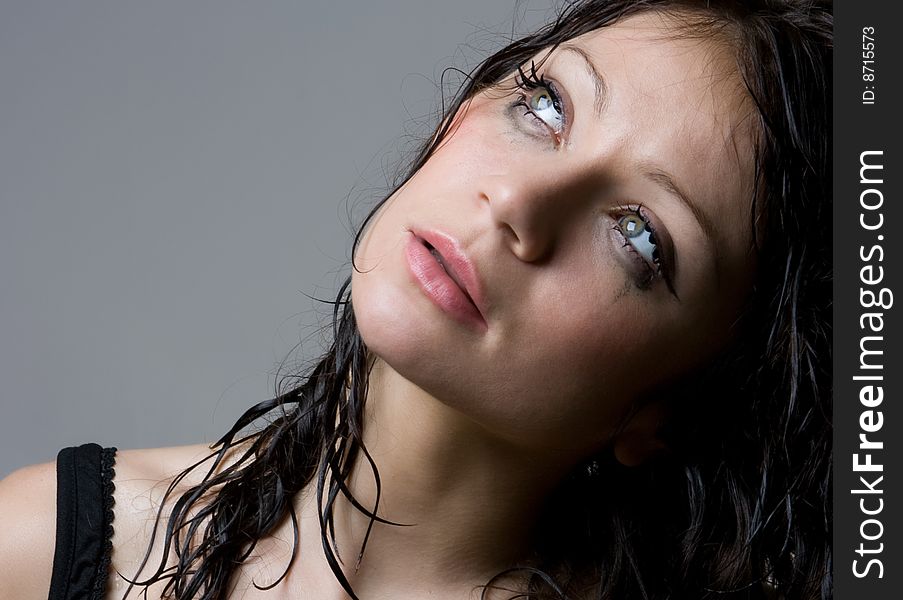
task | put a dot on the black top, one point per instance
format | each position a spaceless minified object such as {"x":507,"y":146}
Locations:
{"x":84,"y":522}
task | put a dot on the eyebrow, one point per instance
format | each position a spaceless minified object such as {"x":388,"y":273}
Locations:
{"x":665,"y":181}
{"x":601,"y":87}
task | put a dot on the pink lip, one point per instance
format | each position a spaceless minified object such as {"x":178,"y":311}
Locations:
{"x":454,"y":288}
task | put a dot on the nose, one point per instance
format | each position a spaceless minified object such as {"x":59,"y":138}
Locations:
{"x":527,"y":210}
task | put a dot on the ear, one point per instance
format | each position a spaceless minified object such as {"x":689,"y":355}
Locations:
{"x":640,"y":441}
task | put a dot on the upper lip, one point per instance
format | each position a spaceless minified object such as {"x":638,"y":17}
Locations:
{"x":460,"y":268}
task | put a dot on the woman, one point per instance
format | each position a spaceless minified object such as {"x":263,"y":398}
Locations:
{"x":583,"y":352}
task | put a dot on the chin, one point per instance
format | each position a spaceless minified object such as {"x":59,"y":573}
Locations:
{"x":410,"y":341}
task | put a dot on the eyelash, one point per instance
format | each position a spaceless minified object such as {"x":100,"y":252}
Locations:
{"x":531,"y":82}
{"x":656,"y":271}
{"x":637,"y":210}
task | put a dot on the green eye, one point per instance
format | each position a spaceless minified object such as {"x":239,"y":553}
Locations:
{"x":640,"y":235}
{"x":645,"y":244}
{"x":544,"y":105}
{"x":542,"y":101}
{"x":632,"y":225}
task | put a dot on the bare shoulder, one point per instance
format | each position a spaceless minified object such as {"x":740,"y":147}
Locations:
{"x":147,"y":483}
{"x":143,"y":477}
{"x":147,"y":478}
{"x":28,"y":523}
{"x":153,"y":465}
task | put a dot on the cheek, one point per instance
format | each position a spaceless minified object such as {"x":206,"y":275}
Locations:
{"x":578,"y":371}
{"x":599,"y":326}
{"x":613,"y":351}
{"x":478,"y":142}
{"x":374,"y":311}
{"x":605,"y":352}
{"x":377,"y":285}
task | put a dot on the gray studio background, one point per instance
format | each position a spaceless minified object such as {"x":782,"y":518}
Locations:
{"x":175,"y":176}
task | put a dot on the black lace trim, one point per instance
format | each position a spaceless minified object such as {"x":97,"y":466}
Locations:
{"x":107,"y":473}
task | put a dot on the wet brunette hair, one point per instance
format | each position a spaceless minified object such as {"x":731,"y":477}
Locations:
{"x":740,"y":507}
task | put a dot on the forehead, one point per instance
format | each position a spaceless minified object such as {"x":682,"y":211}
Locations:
{"x":657,"y":56}
{"x":676,"y":100}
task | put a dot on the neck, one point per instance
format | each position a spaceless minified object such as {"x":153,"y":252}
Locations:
{"x":470,"y":500}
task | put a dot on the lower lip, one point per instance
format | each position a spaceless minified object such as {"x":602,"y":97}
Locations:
{"x":438,"y":286}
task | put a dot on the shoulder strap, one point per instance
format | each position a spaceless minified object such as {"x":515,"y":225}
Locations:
{"x":84,"y":522}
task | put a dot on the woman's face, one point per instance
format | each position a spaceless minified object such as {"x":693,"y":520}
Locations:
{"x":604,"y":207}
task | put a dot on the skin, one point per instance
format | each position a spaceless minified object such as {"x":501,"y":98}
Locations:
{"x":473,"y":426}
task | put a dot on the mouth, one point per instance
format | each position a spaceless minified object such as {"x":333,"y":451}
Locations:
{"x":448,"y":269}
{"x":448,"y":257}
